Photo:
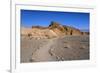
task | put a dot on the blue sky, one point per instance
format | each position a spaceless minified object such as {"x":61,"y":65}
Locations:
{"x":43,"y":18}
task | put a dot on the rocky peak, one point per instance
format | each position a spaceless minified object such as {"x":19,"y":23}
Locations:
{"x":54,"y":24}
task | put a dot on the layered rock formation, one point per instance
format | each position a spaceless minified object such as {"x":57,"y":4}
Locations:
{"x":53,"y":30}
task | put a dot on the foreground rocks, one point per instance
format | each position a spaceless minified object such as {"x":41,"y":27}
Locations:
{"x":56,"y":49}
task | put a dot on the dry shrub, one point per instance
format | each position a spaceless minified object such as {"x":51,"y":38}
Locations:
{"x":29,"y":34}
{"x":82,"y":47}
{"x":48,"y":36}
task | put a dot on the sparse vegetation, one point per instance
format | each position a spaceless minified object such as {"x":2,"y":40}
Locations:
{"x":29,"y":34}
{"x":48,"y":37}
{"x":31,"y":60}
{"x":82,"y":47}
{"x":65,"y":47}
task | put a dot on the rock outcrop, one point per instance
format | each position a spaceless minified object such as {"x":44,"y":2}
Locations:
{"x":53,"y":30}
{"x":72,"y":31}
{"x":64,"y":29}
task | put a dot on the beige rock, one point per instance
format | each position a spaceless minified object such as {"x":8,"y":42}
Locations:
{"x":53,"y":30}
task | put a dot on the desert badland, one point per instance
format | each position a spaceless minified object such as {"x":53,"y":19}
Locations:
{"x":53,"y":43}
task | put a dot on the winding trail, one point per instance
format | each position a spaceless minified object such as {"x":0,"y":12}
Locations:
{"x":42,"y":54}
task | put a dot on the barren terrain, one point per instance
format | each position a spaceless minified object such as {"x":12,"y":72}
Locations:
{"x":53,"y":43}
{"x":55,"y":49}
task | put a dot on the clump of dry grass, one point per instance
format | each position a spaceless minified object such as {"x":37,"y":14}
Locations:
{"x":82,"y":47}
{"x":31,"y":60}
{"x":29,"y":34}
{"x":65,"y":47}
{"x":48,"y":36}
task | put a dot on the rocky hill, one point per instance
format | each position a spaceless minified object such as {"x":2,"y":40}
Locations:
{"x":65,"y":29}
{"x":53,"y":30}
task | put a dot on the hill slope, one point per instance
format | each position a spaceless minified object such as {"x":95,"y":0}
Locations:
{"x":53,"y":30}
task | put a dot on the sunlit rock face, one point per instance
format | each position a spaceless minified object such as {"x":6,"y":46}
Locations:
{"x":53,"y":30}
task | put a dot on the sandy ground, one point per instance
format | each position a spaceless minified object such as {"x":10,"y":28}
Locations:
{"x":43,"y":53}
{"x":55,"y":49}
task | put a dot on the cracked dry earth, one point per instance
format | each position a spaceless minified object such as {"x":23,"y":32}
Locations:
{"x":55,"y":49}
